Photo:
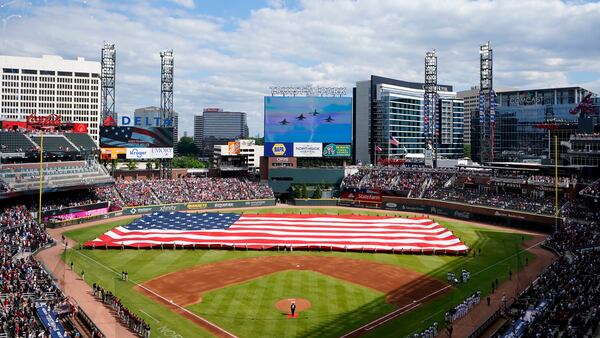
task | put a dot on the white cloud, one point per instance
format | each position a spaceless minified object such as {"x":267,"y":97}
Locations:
{"x":185,"y":3}
{"x":536,"y":44}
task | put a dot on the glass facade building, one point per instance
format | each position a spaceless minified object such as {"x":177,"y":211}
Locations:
{"x":388,"y":110}
{"x":527,"y":120}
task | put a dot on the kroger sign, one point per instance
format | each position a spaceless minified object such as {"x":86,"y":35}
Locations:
{"x":148,"y":153}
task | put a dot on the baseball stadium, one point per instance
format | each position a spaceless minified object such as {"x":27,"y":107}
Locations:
{"x":329,"y":226}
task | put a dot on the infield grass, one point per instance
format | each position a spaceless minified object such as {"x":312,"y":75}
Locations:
{"x":500,"y":249}
{"x":248,"y":309}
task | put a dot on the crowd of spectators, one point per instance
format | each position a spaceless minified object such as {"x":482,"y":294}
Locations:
{"x":406,"y":181}
{"x":592,"y":190}
{"x":130,"y":319}
{"x":580,"y":211}
{"x":134,"y":193}
{"x":23,"y":281}
{"x":182,"y":190}
{"x":564,"y":300}
{"x":503,"y":199}
{"x":450,"y":185}
{"x":62,"y":201}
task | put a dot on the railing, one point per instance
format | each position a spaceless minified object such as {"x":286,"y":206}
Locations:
{"x":485,"y":325}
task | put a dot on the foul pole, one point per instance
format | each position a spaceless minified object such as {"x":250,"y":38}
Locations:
{"x":555,"y":182}
{"x":41,"y":177}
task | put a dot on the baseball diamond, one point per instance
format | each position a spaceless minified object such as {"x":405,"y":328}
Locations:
{"x":232,"y":292}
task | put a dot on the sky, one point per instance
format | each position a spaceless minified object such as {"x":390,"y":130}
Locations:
{"x":229,"y":52}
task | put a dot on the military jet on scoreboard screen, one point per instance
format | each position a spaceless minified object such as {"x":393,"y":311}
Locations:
{"x":284,"y":122}
{"x":314,"y":113}
{"x":329,"y":119}
{"x":300,"y":117}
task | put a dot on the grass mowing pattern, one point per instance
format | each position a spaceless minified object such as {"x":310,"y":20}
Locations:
{"x":142,"y":265}
{"x":253,"y":314}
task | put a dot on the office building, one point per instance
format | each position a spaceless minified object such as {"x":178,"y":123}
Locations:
{"x":471,"y":108}
{"x":388,"y":110}
{"x":51,"y":85}
{"x":238,"y":155}
{"x":151,"y":114}
{"x":528,"y":120}
{"x":217,"y":127}
{"x":199,"y":131}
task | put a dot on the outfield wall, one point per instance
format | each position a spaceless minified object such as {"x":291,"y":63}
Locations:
{"x":146,"y":209}
{"x":511,"y":218}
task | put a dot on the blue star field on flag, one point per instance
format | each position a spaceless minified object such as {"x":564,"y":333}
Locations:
{"x":183,"y":221}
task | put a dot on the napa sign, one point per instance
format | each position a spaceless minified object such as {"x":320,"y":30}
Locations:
{"x":145,"y":122}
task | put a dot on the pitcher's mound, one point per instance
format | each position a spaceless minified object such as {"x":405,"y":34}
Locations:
{"x":284,"y":304}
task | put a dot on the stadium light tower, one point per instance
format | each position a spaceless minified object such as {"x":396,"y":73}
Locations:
{"x":166,"y":103}
{"x":107,"y":73}
{"x":430,"y":119}
{"x":166,"y":86}
{"x":487,"y":103}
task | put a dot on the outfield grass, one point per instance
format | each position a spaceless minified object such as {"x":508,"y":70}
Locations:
{"x":498,"y":256}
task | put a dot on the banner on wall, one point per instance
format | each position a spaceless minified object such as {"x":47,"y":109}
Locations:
{"x":305,"y":149}
{"x":148,"y":153}
{"x":337,"y":150}
{"x":276,"y":149}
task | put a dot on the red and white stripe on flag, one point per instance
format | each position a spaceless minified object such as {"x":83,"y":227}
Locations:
{"x":269,"y":231}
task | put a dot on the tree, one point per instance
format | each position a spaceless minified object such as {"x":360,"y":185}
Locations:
{"x":317,"y":194}
{"x":297,"y":191}
{"x":188,"y":162}
{"x":187,"y":147}
{"x":259,"y":141}
{"x":467,"y":150}
{"x":131,"y":165}
{"x":304,"y":193}
{"x":149,"y":165}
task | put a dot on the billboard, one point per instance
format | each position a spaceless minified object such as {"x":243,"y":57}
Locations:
{"x":136,"y":137}
{"x":148,"y":153}
{"x":283,"y":149}
{"x":305,"y":149}
{"x":112,"y":153}
{"x":233,"y":148}
{"x":308,"y":119}
{"x":337,"y":150}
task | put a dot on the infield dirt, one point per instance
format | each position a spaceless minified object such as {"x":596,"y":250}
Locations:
{"x":185,"y":287}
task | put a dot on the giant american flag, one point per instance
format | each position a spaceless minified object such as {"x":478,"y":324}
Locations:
{"x":270,"y":231}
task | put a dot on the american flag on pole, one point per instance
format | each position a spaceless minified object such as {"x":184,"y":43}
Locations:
{"x":271,"y":231}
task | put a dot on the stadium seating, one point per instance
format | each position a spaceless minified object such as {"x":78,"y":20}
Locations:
{"x":24,"y":282}
{"x":13,"y":142}
{"x":55,"y":143}
{"x":592,"y":190}
{"x":182,"y":190}
{"x":23,"y":177}
{"x":82,"y":141}
{"x":477,"y":188}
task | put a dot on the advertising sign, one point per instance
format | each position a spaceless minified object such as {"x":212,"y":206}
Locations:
{"x":303,"y":149}
{"x":233,"y":148}
{"x":112,"y":153}
{"x":136,"y":137}
{"x":275,"y":149}
{"x":308,"y":119}
{"x":50,"y":321}
{"x":337,"y":150}
{"x":148,"y":153}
